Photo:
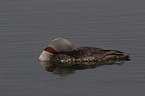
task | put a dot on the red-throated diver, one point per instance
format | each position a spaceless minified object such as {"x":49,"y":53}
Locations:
{"x":62,"y":50}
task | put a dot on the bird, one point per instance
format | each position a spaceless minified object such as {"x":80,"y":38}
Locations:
{"x":63,"y":51}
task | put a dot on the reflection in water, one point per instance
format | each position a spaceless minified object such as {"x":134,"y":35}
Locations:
{"x":65,"y":69}
{"x":56,"y":69}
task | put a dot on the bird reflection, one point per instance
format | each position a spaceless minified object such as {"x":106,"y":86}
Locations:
{"x":66,"y":69}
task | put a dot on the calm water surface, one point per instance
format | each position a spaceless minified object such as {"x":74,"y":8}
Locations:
{"x":27,"y":26}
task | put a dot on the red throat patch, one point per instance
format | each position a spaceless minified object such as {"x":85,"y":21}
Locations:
{"x":50,"y":50}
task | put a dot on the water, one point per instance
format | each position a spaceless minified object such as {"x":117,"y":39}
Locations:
{"x":27,"y":26}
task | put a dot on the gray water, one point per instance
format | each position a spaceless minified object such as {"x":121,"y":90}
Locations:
{"x":28,"y":26}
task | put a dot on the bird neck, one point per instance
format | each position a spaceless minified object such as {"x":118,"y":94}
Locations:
{"x":50,"y":50}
